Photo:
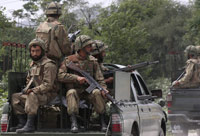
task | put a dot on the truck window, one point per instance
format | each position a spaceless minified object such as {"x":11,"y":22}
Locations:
{"x":136,"y":85}
{"x":143,"y":86}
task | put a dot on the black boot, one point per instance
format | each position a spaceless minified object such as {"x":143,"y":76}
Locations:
{"x":21,"y":122}
{"x":103,"y":124}
{"x":74,"y":125}
{"x":29,"y":127}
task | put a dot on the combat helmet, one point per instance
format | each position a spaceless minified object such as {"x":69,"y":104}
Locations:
{"x":38,"y":42}
{"x":82,"y":41}
{"x":198,"y":50}
{"x":98,"y":47}
{"x":53,"y":9}
{"x":191,"y":50}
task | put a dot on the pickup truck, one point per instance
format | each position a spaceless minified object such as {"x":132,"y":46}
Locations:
{"x":184,"y":110}
{"x":136,"y":113}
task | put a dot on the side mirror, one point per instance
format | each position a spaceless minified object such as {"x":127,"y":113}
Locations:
{"x":161,"y":102}
{"x":157,"y":93}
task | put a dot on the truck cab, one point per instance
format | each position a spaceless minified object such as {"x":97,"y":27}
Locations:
{"x":136,"y":113}
{"x":139,"y":114}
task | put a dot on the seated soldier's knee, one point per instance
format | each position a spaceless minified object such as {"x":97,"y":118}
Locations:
{"x":32,"y":94}
{"x":70,"y":92}
{"x":96,"y":92}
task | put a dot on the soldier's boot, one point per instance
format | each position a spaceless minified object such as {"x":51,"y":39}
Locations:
{"x":21,"y":122}
{"x":74,"y":125}
{"x":102,"y":121}
{"x":29,"y":127}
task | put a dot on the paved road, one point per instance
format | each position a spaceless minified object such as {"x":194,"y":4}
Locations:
{"x":191,"y":133}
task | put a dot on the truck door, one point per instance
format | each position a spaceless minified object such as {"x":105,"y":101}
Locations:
{"x":143,"y":107}
{"x":155,"y":114}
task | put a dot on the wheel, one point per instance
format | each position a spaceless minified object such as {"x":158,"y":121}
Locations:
{"x":135,"y":131}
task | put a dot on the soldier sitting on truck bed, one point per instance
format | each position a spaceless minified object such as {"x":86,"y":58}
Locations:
{"x":99,"y":52}
{"x":191,"y":78}
{"x":76,"y":84}
{"x":42,"y":74}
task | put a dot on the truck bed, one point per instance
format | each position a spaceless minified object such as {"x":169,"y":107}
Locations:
{"x":185,"y":100}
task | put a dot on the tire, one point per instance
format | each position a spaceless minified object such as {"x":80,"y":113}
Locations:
{"x":135,"y":131}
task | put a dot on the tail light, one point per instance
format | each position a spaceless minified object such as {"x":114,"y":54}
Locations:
{"x":116,"y":123}
{"x":169,"y":102}
{"x":4,"y":123}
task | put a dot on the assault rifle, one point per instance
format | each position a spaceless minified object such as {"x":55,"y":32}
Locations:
{"x":91,"y":81}
{"x":129,"y":68}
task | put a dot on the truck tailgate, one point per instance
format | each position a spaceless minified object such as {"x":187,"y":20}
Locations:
{"x":186,"y":100}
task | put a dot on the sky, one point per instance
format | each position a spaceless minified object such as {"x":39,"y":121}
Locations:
{"x":17,"y":4}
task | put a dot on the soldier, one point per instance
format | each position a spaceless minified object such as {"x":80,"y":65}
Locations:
{"x":53,"y":33}
{"x":99,"y":52}
{"x":43,"y":75}
{"x":76,"y":84}
{"x":191,"y":79}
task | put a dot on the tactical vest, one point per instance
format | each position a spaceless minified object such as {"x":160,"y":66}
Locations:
{"x":46,"y":32}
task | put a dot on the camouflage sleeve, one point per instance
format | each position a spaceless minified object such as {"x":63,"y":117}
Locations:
{"x":28,"y":77}
{"x":99,"y":76}
{"x":188,"y":75}
{"x":49,"y":76}
{"x":62,"y":38}
{"x":64,"y":76}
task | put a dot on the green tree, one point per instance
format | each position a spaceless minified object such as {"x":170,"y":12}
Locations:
{"x":121,"y":29}
{"x":167,"y":29}
{"x":193,"y":24}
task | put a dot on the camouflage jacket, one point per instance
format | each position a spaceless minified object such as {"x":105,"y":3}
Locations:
{"x":89,"y":65}
{"x":44,"y":74}
{"x":55,"y":37}
{"x":192,"y":76}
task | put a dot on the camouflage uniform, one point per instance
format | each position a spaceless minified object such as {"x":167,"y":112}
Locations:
{"x":75,"y":90}
{"x":191,"y":79}
{"x":54,"y":34}
{"x":44,"y":72}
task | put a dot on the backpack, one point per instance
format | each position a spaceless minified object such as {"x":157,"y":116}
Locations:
{"x":46,"y":32}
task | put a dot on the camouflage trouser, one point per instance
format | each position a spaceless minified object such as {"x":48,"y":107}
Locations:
{"x":95,"y":98}
{"x":28,"y":104}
